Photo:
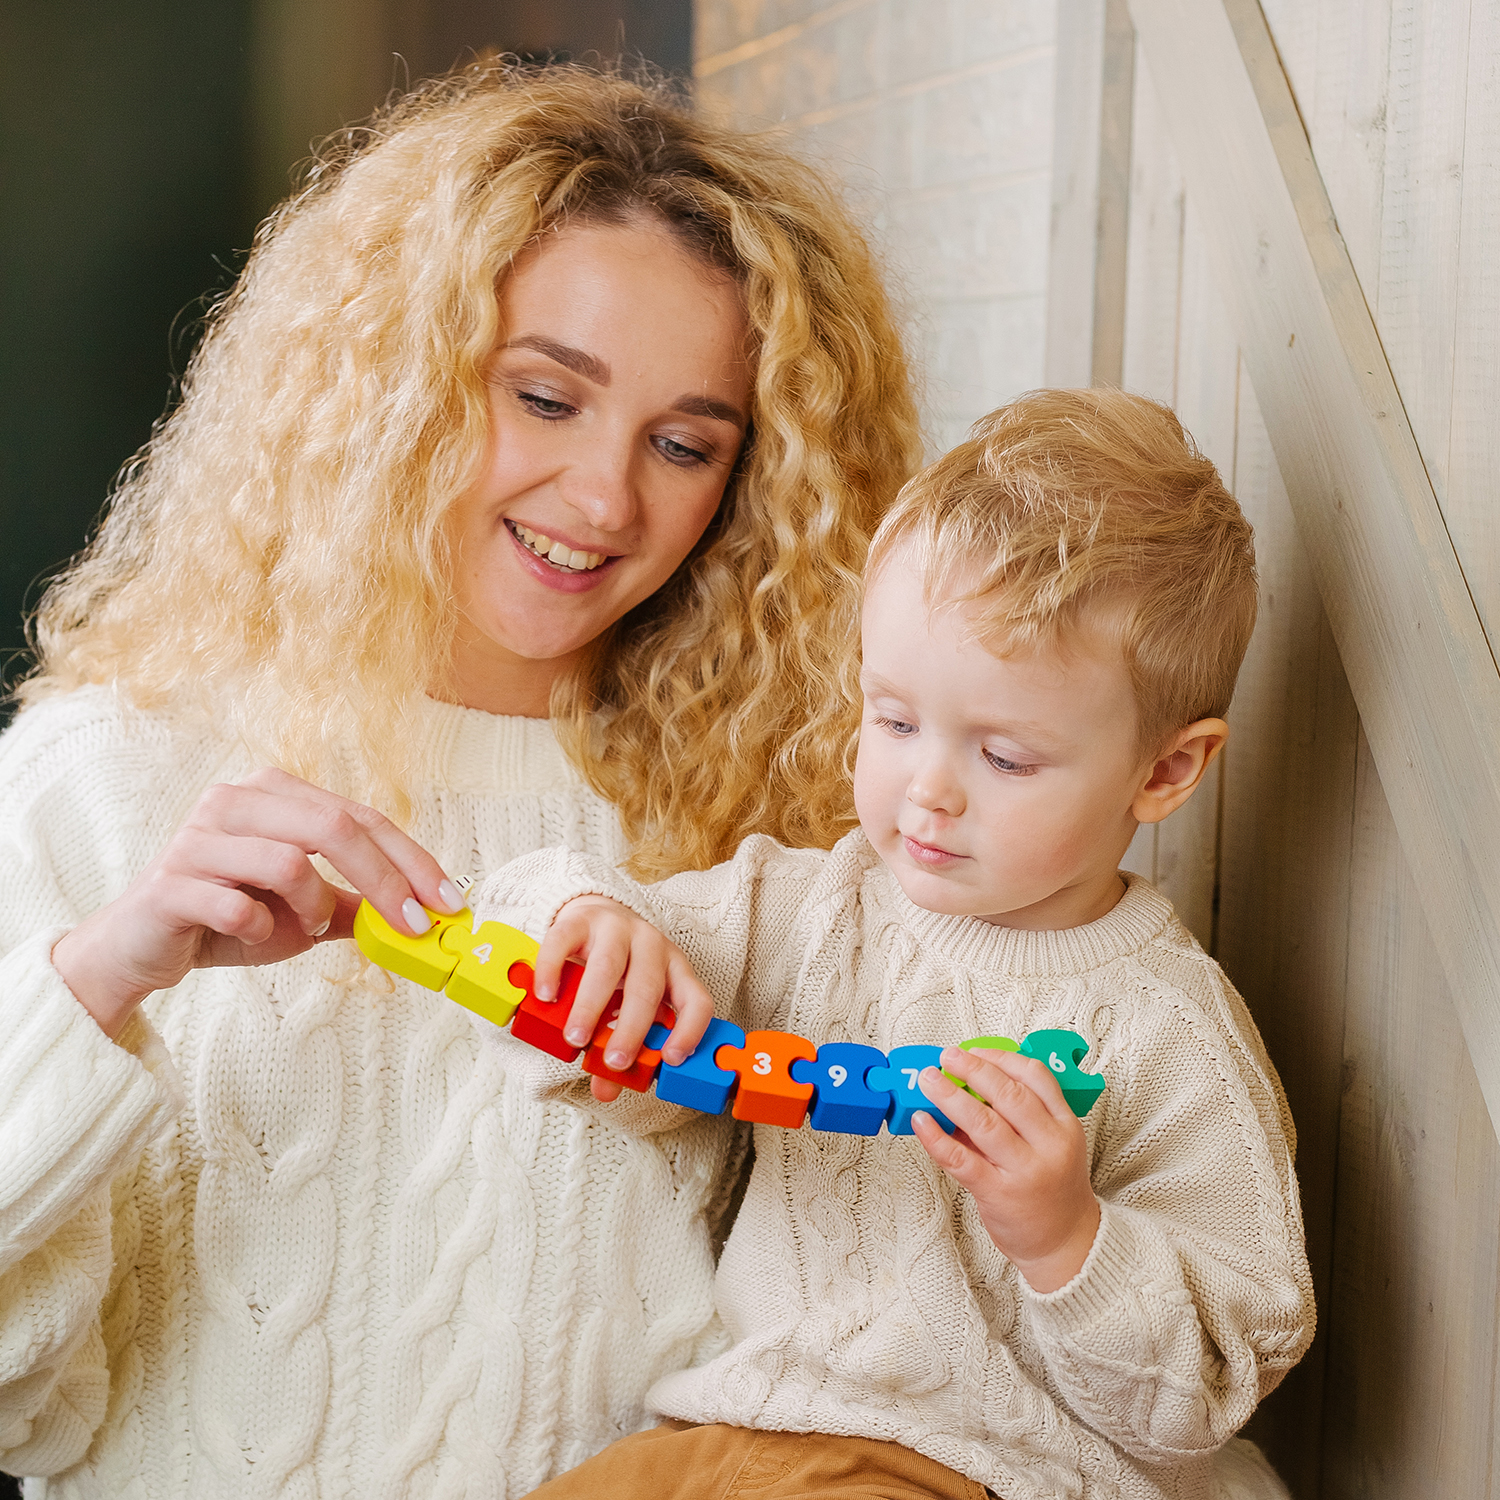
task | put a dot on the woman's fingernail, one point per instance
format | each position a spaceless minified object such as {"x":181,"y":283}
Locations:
{"x":448,"y":894}
{"x":416,"y":918}
{"x":318,"y":932}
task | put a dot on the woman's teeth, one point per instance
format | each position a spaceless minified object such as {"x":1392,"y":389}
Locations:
{"x":556,"y":552}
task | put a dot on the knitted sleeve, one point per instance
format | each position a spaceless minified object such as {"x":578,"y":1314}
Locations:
{"x":734,"y":922}
{"x":76,"y":1109}
{"x":1196,"y":1296}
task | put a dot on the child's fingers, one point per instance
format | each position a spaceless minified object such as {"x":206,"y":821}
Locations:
{"x":987,"y":1131}
{"x":645,"y":982}
{"x":568,"y":934}
{"x":609,"y":957}
{"x":693,"y":1005}
{"x":1020,"y":1088}
{"x":605,"y":1089}
{"x":957,"y":1157}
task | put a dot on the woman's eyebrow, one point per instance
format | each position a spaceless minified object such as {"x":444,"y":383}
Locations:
{"x":569,"y":358}
{"x":706,"y":406}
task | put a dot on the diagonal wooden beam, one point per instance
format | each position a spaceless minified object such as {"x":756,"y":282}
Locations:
{"x":1423,"y":673}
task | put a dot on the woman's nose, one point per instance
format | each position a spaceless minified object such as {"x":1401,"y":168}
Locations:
{"x":602,"y":485}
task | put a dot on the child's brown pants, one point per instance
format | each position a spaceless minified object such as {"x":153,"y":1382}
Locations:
{"x":680,"y":1461}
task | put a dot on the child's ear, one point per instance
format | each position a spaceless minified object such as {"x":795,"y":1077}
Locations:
{"x":1177,"y":770}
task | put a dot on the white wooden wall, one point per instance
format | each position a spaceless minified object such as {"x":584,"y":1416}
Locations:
{"x":938,"y":117}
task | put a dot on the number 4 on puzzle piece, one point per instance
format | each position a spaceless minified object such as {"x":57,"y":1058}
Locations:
{"x":767,"y":1093}
{"x":482,"y":978}
{"x":1062,"y":1051}
{"x":842,"y":1100}
{"x":906,"y":1094}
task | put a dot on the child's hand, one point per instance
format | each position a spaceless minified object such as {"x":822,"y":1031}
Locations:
{"x":1023,"y":1157}
{"x":614,"y":942}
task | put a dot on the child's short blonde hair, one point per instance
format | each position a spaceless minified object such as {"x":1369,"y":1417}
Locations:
{"x":1094,"y":508}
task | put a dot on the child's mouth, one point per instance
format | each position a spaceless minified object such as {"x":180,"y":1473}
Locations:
{"x":927,"y":854}
{"x":559,"y":554}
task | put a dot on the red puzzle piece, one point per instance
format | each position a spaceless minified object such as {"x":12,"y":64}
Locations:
{"x":541,"y":1022}
{"x":639,"y":1074}
{"x":767,"y":1093}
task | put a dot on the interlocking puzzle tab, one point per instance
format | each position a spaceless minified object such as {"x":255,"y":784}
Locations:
{"x":843,"y":1101}
{"x":1062,"y":1051}
{"x":998,"y":1043}
{"x":767,"y":1093}
{"x":488,"y":959}
{"x":900,"y":1078}
{"x":698,"y":1081}
{"x":639,"y":1074}
{"x":423,"y":960}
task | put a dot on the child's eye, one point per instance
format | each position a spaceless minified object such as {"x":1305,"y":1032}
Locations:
{"x":1010,"y":767}
{"x":545,"y":407}
{"x":679,"y":453}
{"x":896,"y":726}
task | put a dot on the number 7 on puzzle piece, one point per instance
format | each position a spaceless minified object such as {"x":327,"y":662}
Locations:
{"x":906,"y":1094}
{"x":767,"y":1093}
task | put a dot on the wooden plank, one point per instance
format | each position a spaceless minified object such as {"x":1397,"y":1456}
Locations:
{"x":1095,"y":73}
{"x":1412,"y":1316}
{"x":1411,"y":641}
{"x":1282,"y":925}
{"x":1474,"y":434}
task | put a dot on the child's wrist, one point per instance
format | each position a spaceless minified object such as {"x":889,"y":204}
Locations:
{"x":1054,"y":1270}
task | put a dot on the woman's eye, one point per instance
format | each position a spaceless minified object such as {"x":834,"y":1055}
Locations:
{"x":1010,"y":767}
{"x":679,"y":453}
{"x":544,"y":406}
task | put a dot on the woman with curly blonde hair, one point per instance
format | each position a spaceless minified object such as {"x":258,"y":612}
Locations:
{"x":520,"y":491}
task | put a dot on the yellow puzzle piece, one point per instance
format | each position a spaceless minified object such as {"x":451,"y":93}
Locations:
{"x":424,"y":960}
{"x":482,"y":980}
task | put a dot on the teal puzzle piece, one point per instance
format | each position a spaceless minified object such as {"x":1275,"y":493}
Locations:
{"x":1062,"y":1051}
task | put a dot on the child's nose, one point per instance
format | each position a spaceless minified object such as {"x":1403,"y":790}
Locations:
{"x":935,"y":788}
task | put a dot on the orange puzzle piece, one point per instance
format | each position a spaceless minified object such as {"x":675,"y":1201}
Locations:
{"x":767,"y":1093}
{"x":639,"y":1074}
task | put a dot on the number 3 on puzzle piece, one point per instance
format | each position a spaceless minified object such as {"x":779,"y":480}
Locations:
{"x":482,"y":979}
{"x":906,"y":1095}
{"x":1062,"y":1051}
{"x":767,"y":1093}
{"x":423,"y":960}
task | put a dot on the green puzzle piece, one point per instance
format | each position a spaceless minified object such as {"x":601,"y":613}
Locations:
{"x":1062,"y":1051}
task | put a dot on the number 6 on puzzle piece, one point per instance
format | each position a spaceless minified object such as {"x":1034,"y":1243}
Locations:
{"x":842,"y":1100}
{"x":424,"y":960}
{"x":906,"y":1094}
{"x":767,"y":1093}
{"x":482,"y":979}
{"x":1062,"y":1051}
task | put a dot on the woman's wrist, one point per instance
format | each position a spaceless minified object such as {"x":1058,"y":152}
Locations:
{"x":83,"y":957}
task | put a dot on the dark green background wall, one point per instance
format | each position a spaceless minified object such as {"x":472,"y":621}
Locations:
{"x":140,"y":142}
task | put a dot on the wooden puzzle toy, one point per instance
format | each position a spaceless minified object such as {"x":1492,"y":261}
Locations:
{"x":773,"y":1077}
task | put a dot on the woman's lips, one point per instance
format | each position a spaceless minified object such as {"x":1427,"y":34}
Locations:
{"x":560,"y":580}
{"x":928,"y":854}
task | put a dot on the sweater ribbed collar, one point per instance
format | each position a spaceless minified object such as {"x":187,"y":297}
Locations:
{"x":1138,"y":919}
{"x":468,"y":750}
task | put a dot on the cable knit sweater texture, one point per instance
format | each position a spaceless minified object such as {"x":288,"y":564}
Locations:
{"x":861,"y":1290}
{"x":299,"y":1233}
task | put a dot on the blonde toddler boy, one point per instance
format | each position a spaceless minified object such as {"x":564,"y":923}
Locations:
{"x":1035,"y":1306}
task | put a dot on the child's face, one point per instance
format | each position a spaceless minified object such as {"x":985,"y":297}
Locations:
{"x":1003,"y":788}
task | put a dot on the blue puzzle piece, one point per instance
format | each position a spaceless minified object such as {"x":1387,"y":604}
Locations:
{"x":1062,"y":1051}
{"x":699,"y":1082}
{"x":842,"y":1100}
{"x":901,"y":1079}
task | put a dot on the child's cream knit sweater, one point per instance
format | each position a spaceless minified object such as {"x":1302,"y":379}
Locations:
{"x":300,"y":1235}
{"x":859,"y":1286}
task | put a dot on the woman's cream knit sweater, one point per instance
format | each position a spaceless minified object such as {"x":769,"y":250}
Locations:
{"x":298,"y":1234}
{"x":864,"y":1296}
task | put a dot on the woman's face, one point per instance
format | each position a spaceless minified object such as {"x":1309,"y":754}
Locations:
{"x":619,"y":399}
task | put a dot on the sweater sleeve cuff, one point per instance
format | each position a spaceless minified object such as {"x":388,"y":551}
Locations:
{"x":75,"y":1107}
{"x":1117,"y":1266}
{"x":529,"y":892}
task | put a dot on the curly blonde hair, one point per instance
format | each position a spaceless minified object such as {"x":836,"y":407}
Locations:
{"x":278,"y":553}
{"x":1069,"y":507}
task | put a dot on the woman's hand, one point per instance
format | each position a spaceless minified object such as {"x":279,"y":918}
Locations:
{"x":236,"y":885}
{"x":616,"y":944}
{"x":1022,"y":1156}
